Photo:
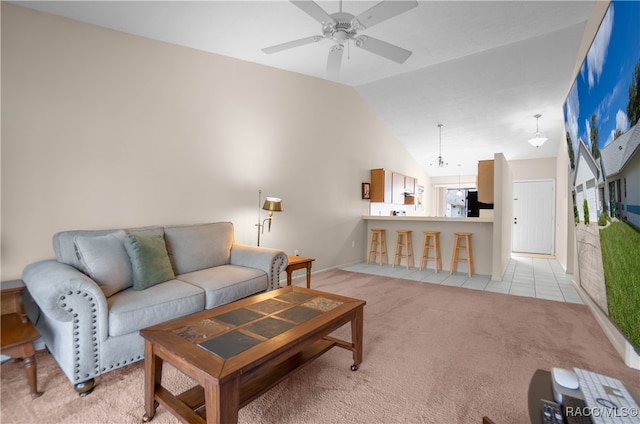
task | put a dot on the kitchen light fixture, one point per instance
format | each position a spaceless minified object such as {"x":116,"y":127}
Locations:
{"x":459,"y":192}
{"x":441,"y":163}
{"x":271,"y":204}
{"x":537,"y":140}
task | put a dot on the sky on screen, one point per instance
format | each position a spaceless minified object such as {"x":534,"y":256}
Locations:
{"x":602,"y":85}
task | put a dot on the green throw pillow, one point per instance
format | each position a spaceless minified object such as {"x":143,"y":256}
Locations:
{"x":149,"y":260}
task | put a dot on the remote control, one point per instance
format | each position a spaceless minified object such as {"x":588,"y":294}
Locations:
{"x":551,"y":412}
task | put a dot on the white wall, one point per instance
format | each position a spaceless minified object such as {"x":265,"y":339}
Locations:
{"x":533,"y":169}
{"x":1,"y":171}
{"x":565,"y":239}
{"x":106,"y":130}
{"x":502,"y":214}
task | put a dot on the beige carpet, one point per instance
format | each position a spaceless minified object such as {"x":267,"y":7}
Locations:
{"x":432,"y":354}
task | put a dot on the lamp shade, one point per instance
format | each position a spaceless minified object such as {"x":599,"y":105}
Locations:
{"x":538,"y":140}
{"x":273,"y":204}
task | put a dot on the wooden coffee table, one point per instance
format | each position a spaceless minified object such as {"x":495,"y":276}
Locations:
{"x":238,"y":351}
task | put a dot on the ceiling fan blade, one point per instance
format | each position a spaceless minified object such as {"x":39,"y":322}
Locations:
{"x":382,"y":11}
{"x":334,"y":60}
{"x":382,"y":48}
{"x":312,"y":9}
{"x":292,"y":44}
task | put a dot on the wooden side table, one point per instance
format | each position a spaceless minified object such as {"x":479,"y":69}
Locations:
{"x":299,"y":262}
{"x":17,"y":332}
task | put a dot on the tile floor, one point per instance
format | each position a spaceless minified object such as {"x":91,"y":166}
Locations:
{"x":529,"y":276}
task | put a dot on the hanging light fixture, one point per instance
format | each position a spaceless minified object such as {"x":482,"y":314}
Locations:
{"x":459,"y":192}
{"x":537,"y":140}
{"x":440,"y":163}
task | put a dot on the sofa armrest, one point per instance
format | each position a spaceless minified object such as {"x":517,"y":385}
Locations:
{"x":271,"y":261}
{"x":64,"y":294}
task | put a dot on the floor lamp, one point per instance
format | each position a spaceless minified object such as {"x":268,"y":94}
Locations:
{"x":271,"y":204}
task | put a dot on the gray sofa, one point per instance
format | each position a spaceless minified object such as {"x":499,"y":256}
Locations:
{"x":104,"y":286}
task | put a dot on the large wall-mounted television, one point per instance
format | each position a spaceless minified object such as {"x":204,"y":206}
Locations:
{"x":602,"y":112}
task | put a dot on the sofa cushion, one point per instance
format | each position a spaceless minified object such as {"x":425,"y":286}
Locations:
{"x":132,"y":310}
{"x":149,"y":260}
{"x":227,"y":283}
{"x":64,"y":242}
{"x":195,"y":247}
{"x":64,"y":245}
{"x":105,"y":260}
{"x":146,"y":231}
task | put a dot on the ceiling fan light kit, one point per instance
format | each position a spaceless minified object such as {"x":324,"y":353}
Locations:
{"x":538,"y":139}
{"x":342,"y":27}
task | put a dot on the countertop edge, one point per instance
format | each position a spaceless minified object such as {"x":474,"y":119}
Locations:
{"x":486,"y":220}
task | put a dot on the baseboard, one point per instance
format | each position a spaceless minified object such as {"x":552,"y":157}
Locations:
{"x":619,"y":342}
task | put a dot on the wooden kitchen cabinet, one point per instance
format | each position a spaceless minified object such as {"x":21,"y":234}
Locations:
{"x":409,"y":199}
{"x":390,"y":187}
{"x":485,"y":181}
{"x":409,"y":185}
{"x":381,"y":185}
{"x":397,"y":192}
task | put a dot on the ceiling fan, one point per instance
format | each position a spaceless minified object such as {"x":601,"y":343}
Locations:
{"x":340,"y":27}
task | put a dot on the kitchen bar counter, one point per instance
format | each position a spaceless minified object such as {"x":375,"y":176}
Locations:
{"x":428,"y":218}
{"x":482,"y":239}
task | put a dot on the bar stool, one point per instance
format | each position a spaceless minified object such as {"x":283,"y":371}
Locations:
{"x":431,"y":241}
{"x":403,"y":241}
{"x":457,"y":246}
{"x":378,"y":245}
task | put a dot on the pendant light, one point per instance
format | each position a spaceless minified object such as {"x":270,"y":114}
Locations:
{"x":459,"y":192}
{"x":440,"y":163}
{"x":537,"y":140}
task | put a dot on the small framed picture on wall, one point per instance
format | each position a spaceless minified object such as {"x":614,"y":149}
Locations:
{"x":366,"y":190}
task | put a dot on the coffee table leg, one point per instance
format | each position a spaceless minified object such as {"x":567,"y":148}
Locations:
{"x":357,"y":325}
{"x":222,"y":400}
{"x":152,"y":380}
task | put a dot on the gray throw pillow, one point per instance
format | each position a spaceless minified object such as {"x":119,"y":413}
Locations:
{"x":105,"y":260}
{"x":149,"y":260}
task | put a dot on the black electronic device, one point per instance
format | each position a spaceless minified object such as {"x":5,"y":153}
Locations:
{"x":551,"y":412}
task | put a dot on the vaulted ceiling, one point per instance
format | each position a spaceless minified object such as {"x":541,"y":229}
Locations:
{"x":483,"y":69}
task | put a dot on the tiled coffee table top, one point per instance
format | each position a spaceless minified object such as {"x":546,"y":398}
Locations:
{"x":233,"y":332}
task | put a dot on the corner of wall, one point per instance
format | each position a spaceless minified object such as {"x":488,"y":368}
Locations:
{"x":503,"y":182}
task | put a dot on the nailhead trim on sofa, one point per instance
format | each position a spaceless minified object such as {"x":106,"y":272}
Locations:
{"x":85,"y":298}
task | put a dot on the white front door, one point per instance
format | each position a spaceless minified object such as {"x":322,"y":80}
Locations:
{"x":533,"y":216}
